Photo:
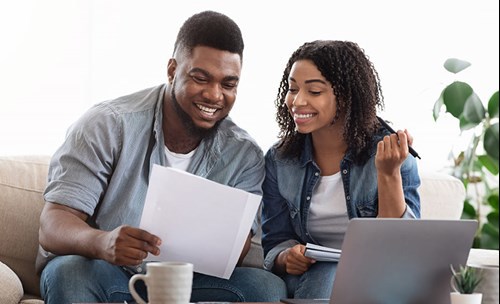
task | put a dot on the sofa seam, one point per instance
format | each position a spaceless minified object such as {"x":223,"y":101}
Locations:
{"x":22,"y":188}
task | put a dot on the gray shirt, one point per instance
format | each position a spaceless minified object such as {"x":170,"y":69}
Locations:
{"x":103,"y":166}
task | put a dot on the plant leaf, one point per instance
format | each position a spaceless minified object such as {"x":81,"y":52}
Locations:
{"x":466,"y":279}
{"x":455,"y":65}
{"x":493,"y":105}
{"x":476,"y":243}
{"x":465,"y":124}
{"x":437,"y":106}
{"x":455,"y":96}
{"x":489,"y":163}
{"x":493,"y":200}
{"x":490,"y":230}
{"x":477,"y":166}
{"x":469,"y":212}
{"x":489,"y":237}
{"x":474,"y":110}
{"x":491,"y":141}
{"x":493,"y":219}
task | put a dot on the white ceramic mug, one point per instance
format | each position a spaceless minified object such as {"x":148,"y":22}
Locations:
{"x":166,"y":283}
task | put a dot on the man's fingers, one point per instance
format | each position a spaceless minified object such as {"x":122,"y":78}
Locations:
{"x":144,"y":236}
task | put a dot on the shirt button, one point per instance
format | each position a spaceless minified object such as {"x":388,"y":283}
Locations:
{"x":308,"y":198}
{"x":344,"y":171}
{"x":348,"y":197}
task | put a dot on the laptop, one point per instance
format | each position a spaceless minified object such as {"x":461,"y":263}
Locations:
{"x":400,"y":261}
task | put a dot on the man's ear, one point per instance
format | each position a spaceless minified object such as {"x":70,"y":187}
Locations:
{"x":171,"y":67}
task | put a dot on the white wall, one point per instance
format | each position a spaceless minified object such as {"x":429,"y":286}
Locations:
{"x":58,"y":57}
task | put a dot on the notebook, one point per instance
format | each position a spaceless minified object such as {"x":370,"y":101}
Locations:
{"x":403,"y":261}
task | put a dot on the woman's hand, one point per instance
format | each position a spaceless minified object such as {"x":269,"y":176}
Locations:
{"x":392,"y":151}
{"x":293,"y":260}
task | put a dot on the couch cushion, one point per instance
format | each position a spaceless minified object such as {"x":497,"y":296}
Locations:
{"x":22,"y":182}
{"x":441,"y":196}
{"x":11,"y":289}
{"x":31,"y":301}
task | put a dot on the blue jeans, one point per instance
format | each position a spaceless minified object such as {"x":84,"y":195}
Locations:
{"x":72,"y":279}
{"x":315,"y":283}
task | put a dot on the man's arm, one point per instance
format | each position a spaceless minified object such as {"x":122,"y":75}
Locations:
{"x":63,"y":230}
{"x":245,"y":250}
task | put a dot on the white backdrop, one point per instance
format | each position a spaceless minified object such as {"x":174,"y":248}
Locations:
{"x":58,"y":57}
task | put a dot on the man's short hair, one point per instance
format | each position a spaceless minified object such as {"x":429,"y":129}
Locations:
{"x":210,"y":29}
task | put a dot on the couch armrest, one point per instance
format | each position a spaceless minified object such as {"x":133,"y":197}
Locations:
{"x":22,"y":181}
{"x":11,"y":289}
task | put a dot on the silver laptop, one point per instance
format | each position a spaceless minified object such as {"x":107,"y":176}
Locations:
{"x":400,"y":261}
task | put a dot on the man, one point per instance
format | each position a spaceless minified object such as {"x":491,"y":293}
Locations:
{"x":98,"y":178}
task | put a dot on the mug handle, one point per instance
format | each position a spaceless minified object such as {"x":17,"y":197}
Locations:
{"x":131,"y":287}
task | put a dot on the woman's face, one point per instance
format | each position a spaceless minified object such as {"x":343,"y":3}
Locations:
{"x":310,"y":99}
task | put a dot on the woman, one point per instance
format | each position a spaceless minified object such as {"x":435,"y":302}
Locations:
{"x":334,"y":161}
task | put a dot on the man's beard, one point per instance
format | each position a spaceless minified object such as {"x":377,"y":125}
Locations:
{"x":187,"y":121}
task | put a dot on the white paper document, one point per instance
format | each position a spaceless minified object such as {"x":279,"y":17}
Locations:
{"x":321,"y":253}
{"x":199,"y":221}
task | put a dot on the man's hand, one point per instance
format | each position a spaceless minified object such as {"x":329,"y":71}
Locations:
{"x":127,"y":245}
{"x":64,"y":230}
{"x":293,"y":261}
{"x":246,"y":248}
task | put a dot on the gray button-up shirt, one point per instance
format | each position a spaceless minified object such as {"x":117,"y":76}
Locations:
{"x":103,"y":166}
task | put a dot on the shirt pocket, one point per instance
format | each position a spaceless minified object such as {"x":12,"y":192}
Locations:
{"x":367,"y":207}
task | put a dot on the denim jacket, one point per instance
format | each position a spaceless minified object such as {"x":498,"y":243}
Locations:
{"x":289,"y":185}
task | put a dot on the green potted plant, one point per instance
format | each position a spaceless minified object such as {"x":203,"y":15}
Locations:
{"x":478,"y":164}
{"x":464,"y":283}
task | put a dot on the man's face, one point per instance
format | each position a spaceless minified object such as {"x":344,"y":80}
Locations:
{"x":204,"y":85}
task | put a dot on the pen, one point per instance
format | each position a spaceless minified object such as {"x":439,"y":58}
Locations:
{"x":412,"y":151}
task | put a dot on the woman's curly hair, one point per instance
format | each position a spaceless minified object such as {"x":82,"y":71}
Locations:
{"x":356,"y":85}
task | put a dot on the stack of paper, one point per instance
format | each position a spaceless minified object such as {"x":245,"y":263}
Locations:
{"x":199,"y":221}
{"x":321,"y":253}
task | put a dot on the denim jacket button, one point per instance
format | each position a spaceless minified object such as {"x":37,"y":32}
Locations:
{"x":344,"y":171}
{"x":308,"y":198}
{"x":348,"y":197}
{"x":316,"y":173}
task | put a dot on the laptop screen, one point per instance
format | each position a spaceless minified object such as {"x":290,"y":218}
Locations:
{"x":403,"y":261}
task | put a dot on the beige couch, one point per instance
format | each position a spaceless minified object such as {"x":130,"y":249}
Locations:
{"x":23,"y":179}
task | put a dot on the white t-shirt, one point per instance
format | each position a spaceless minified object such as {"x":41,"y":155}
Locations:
{"x":327,"y":221}
{"x":178,"y":160}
